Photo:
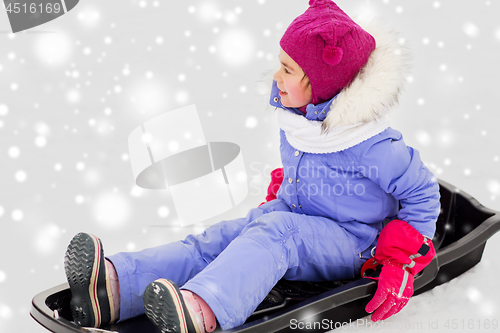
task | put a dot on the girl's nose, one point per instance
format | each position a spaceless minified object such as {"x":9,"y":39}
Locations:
{"x":276,"y":76}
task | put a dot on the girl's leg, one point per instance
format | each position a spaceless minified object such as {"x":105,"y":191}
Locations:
{"x":275,"y":245}
{"x":178,"y":261}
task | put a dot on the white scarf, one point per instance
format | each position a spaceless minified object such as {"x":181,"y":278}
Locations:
{"x":305,"y":135}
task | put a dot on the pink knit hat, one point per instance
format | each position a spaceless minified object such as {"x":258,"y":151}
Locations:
{"x":328,"y":46}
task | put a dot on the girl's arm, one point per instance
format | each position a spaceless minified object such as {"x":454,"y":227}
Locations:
{"x":404,"y":247}
{"x":399,"y":171}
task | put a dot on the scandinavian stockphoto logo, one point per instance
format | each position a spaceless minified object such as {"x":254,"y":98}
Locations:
{"x":204,"y":178}
{"x":24,"y":15}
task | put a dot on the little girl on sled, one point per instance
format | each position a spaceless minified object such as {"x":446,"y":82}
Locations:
{"x":345,"y":172}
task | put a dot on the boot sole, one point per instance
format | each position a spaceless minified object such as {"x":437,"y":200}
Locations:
{"x":165,"y":307}
{"x":86,"y":272}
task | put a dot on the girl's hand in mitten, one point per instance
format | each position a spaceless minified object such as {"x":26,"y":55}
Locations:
{"x":392,"y":294}
{"x":403,"y":252}
{"x":274,"y":186}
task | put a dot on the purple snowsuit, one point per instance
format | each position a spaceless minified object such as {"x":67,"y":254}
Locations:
{"x":301,"y":235}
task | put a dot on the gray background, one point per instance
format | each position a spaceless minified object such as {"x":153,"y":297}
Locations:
{"x":73,"y":89}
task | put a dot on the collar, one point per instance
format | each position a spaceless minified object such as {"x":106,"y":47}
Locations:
{"x":316,"y":112}
{"x":307,"y":136}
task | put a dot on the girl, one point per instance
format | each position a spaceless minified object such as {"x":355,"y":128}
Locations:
{"x":345,"y":172}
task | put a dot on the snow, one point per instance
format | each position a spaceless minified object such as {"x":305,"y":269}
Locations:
{"x":40,"y":141}
{"x":20,"y":176}
{"x":73,"y":89}
{"x":79,"y":199}
{"x":251,"y":122}
{"x":17,"y":215}
{"x":14,"y":152}
{"x":163,"y":211}
{"x":80,"y":166}
{"x":4,"y":110}
{"x":471,"y":29}
{"x":46,"y":239}
{"x":112,"y":210}
{"x":52,"y":49}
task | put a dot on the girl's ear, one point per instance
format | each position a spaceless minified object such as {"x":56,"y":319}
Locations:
{"x":308,"y":82}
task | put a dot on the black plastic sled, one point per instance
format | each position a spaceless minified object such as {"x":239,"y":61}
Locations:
{"x":463,"y":228}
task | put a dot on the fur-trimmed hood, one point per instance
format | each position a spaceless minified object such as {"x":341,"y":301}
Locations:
{"x":374,"y":90}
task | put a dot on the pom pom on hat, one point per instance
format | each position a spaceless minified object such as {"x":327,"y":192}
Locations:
{"x":332,"y":55}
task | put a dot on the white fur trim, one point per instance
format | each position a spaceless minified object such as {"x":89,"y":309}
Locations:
{"x":377,"y":86}
{"x":306,"y":135}
{"x":263,"y":87}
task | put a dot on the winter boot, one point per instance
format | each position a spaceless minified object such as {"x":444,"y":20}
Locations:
{"x":92,"y":302}
{"x":172,"y":310}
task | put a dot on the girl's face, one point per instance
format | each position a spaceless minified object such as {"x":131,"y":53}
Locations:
{"x":295,"y":91}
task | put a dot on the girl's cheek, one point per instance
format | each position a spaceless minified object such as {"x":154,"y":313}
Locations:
{"x":293,"y":91}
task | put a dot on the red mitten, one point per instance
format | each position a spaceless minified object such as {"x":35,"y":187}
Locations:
{"x":276,"y":180}
{"x":403,"y":252}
